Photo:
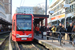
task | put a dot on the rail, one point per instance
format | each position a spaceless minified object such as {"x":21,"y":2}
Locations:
{"x":60,"y":33}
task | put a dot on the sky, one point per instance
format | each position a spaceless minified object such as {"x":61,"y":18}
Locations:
{"x":32,"y":3}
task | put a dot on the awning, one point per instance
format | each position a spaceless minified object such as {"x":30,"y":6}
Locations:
{"x":3,"y":21}
{"x":38,"y":18}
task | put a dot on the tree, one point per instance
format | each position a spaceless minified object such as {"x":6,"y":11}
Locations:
{"x":38,"y":10}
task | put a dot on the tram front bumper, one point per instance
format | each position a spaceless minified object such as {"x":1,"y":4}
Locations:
{"x":23,"y":36}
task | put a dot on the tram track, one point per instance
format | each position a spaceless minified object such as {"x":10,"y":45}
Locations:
{"x":4,"y":41}
{"x":24,"y":45}
{"x":28,"y":46}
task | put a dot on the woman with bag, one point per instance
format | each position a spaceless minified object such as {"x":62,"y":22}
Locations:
{"x":54,"y":30}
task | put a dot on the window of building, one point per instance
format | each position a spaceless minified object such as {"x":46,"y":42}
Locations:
{"x":67,"y":1}
{"x":73,"y":5}
{"x":72,"y":8}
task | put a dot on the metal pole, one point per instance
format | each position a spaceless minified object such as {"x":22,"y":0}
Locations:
{"x":60,"y":38}
{"x":11,"y":8}
{"x":46,"y":8}
{"x":65,"y":18}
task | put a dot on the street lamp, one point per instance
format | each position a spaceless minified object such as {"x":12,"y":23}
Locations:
{"x":51,"y":12}
{"x":66,"y":6}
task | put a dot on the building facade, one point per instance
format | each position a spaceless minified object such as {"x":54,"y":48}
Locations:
{"x":30,"y":10}
{"x":6,"y":10}
{"x":70,"y":11}
{"x":27,"y":10}
{"x":59,"y":12}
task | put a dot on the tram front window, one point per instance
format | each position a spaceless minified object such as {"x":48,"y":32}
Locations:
{"x":23,"y":22}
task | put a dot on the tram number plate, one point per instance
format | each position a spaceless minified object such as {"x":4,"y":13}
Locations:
{"x":23,"y":38}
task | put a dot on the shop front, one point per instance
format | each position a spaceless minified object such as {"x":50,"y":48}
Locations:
{"x":58,"y":19}
{"x":70,"y":18}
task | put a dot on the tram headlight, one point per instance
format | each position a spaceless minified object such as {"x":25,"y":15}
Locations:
{"x":30,"y":35}
{"x":17,"y":35}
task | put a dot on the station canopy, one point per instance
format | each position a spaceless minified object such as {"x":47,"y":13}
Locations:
{"x":38,"y":18}
{"x":3,"y":21}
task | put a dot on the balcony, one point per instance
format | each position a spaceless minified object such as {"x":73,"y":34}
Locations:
{"x":1,"y":5}
{"x":2,"y":10}
{"x":2,"y":15}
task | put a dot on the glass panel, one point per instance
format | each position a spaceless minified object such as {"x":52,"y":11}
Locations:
{"x":23,"y":22}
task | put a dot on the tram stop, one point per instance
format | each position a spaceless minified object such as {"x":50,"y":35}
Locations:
{"x":40,"y":19}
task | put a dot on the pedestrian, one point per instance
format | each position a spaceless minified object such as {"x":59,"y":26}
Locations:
{"x":37,"y":29}
{"x":73,"y":30}
{"x":47,"y":30}
{"x":73,"y":35}
{"x":50,"y":27}
{"x":69,"y":29}
{"x":42,"y":30}
{"x":62,"y":30}
{"x":53,"y":30}
{"x":58,"y":30}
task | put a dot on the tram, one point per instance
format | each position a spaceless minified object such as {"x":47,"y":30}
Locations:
{"x":22,"y":27}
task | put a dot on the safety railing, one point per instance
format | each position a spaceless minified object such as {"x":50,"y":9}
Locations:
{"x":59,"y":33}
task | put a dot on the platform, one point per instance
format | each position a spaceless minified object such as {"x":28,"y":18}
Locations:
{"x":3,"y":37}
{"x":55,"y":45}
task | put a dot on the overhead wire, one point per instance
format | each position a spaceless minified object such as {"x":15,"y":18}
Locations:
{"x":23,"y":2}
{"x":20,"y":2}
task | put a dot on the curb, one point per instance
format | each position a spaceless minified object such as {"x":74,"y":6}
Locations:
{"x":48,"y":45}
{"x":10,"y":46}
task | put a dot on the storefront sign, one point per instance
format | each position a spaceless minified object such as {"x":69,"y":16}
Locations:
{"x":58,"y":17}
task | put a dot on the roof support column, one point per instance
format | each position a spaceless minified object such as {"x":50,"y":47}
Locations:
{"x":42,"y":22}
{"x":45,"y":22}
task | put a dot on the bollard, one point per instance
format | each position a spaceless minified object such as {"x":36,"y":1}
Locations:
{"x":60,"y":38}
{"x":52,"y":38}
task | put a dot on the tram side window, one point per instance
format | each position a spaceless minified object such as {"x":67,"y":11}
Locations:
{"x":14,"y":26}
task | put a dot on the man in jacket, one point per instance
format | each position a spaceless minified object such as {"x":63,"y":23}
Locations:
{"x":69,"y":29}
{"x":58,"y":30}
{"x":42,"y":29}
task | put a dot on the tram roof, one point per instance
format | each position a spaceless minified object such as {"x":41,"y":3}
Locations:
{"x":3,"y":21}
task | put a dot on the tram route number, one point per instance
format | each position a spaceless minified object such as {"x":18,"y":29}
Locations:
{"x":23,"y":38}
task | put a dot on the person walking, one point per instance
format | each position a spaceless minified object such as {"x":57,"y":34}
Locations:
{"x":62,"y":30}
{"x":73,"y":35}
{"x":37,"y":29}
{"x":73,"y":30}
{"x":54,"y":30}
{"x":69,"y":29}
{"x":48,"y":32}
{"x":58,"y":30}
{"x":42,"y":30}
